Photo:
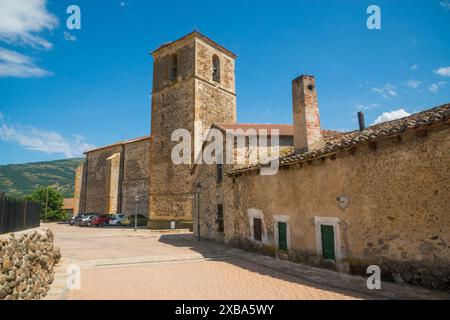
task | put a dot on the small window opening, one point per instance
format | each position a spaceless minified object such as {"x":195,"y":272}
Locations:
{"x":219,"y":168}
{"x":216,"y":68}
{"x":257,"y":229}
{"x":220,"y":226}
{"x":173,"y":66}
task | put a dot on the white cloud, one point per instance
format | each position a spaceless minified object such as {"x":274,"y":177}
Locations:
{"x":443,"y":71}
{"x":14,"y":64}
{"x":414,"y":67}
{"x":445,"y":4}
{"x":69,"y":37}
{"x":392,"y":115}
{"x":36,"y":139}
{"x":22,"y":20}
{"x":387,"y":91}
{"x":435,"y":87}
{"x":361,"y":107}
{"x":413,"y":84}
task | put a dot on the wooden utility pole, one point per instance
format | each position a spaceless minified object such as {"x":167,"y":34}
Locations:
{"x":46,"y":206}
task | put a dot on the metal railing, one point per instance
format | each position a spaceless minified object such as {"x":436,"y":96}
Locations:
{"x":17,"y":214}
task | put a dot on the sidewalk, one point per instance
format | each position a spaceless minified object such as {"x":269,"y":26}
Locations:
{"x":121,"y":264}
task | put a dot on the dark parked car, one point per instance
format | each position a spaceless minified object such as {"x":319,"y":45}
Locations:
{"x":141,"y":220}
{"x":74,"y":219}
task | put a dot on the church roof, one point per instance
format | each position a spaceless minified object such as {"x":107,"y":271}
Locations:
{"x":118,"y":144}
{"x":348,"y":140}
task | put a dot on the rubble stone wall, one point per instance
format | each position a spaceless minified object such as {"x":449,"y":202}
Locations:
{"x":27,"y":260}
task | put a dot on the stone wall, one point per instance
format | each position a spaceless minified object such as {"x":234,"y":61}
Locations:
{"x":114,"y":175}
{"x":113,"y":183}
{"x":96,"y":191}
{"x":170,"y":184}
{"x":397,"y":214}
{"x":215,"y":101}
{"x":77,"y":188}
{"x":136,"y":177}
{"x":27,"y":259}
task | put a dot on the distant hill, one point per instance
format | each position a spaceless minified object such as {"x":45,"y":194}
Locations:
{"x":20,"y":180}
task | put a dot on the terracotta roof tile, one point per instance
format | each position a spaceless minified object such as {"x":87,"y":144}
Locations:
{"x":69,"y":203}
{"x":284,"y":129}
{"x":343,"y":141}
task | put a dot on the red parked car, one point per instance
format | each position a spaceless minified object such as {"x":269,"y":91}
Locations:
{"x":101,"y":220}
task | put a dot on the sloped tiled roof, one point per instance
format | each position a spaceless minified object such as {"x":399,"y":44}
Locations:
{"x":431,"y":117}
{"x":283,"y":129}
{"x":69,"y":203}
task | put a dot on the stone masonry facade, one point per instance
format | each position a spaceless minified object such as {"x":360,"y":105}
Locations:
{"x":184,"y":92}
{"x":113,"y":176}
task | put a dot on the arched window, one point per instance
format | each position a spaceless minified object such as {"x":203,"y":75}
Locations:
{"x":216,"y":68}
{"x":173,"y":70}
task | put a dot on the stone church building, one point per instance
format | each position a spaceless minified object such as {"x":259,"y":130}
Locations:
{"x":193,"y":80}
{"x":345,"y":200}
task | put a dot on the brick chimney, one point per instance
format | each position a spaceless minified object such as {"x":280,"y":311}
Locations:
{"x":305,"y":108}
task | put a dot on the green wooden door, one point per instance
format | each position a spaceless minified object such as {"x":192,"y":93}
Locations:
{"x":327,"y":242}
{"x":282,"y":236}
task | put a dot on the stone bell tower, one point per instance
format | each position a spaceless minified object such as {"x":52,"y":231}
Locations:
{"x":193,"y":80}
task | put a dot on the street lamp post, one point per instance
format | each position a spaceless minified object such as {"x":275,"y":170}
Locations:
{"x":198,"y":188}
{"x":135,"y":212}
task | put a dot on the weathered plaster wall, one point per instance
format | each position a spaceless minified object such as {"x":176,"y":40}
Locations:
{"x":211,"y":194}
{"x":27,"y":260}
{"x":398,"y":215}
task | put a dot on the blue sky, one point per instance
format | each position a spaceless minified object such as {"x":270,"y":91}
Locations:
{"x":62,"y":91}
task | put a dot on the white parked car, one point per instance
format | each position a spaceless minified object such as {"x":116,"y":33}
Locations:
{"x":117,"y":219}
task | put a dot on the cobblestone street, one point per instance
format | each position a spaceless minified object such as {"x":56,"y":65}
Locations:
{"x":118,"y":263}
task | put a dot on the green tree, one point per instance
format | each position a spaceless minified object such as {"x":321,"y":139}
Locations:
{"x":55,"y":203}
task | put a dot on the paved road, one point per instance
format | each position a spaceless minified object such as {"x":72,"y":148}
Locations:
{"x":119,"y":263}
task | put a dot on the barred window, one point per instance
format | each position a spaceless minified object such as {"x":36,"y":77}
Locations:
{"x":220,"y":227}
